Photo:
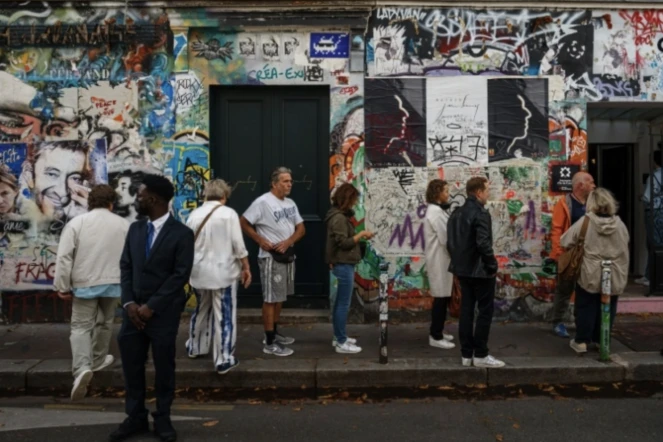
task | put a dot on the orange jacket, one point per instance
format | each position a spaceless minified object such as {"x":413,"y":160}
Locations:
{"x":561,"y":222}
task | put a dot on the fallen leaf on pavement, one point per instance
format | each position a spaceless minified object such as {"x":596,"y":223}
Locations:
{"x":516,"y":426}
{"x":254,"y":402}
{"x":499,"y":438}
{"x":210,"y":423}
{"x":444,"y":387}
{"x":590,"y":388}
{"x":296,"y":409}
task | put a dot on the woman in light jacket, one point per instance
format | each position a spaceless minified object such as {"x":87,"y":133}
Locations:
{"x":606,"y":239}
{"x":437,"y":261}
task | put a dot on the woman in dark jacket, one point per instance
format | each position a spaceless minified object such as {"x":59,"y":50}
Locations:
{"x":342,"y":254}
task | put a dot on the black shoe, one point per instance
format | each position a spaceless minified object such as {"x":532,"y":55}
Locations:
{"x":129,"y":428}
{"x":164,"y":430}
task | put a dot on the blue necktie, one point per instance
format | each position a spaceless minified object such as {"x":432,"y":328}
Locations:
{"x":150,"y":238}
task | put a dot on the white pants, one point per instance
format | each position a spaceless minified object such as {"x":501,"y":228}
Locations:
{"x":91,"y":332}
{"x":214,"y":323}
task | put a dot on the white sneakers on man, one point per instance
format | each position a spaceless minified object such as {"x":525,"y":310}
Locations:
{"x":108,"y":361}
{"x":643,"y":281}
{"x":487,"y":362}
{"x":443,"y":343}
{"x":81,"y":383}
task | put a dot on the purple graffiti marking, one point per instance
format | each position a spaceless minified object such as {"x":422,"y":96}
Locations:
{"x":530,"y":221}
{"x":405,"y":231}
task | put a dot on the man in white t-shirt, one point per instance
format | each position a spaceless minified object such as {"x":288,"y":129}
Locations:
{"x":273,"y":221}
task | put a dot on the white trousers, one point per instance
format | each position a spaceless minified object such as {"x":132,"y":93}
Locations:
{"x":214,"y":323}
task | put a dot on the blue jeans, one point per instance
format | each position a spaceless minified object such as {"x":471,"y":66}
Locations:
{"x":345,"y":274}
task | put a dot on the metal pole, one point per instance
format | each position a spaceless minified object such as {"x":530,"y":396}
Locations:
{"x":384,"y":309}
{"x":606,"y":289}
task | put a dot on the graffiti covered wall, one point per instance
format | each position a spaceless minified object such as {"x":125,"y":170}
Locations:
{"x":96,"y":94}
{"x":505,"y":96}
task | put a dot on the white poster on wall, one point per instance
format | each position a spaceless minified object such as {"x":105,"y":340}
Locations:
{"x":457,"y":121}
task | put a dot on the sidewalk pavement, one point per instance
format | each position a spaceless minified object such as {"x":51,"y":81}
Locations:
{"x":35,"y":358}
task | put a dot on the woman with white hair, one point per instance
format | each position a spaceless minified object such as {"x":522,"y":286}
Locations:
{"x":220,"y":260}
{"x":606,"y":239}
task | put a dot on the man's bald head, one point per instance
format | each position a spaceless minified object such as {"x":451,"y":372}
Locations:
{"x":583,"y":184}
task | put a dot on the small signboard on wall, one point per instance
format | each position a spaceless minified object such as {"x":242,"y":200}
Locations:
{"x":561,"y":175}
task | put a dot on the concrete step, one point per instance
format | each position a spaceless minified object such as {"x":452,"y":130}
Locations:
{"x":317,"y":377}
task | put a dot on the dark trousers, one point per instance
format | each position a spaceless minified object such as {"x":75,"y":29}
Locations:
{"x":160,"y":332}
{"x":562,"y":298}
{"x":438,"y":317}
{"x":479,"y":293}
{"x":588,"y":315}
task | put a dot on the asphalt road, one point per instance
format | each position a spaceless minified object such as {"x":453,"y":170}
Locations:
{"x":527,"y":420}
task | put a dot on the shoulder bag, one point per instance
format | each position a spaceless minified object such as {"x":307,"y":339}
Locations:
{"x":568,"y":265}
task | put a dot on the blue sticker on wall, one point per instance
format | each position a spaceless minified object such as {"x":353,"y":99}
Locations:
{"x":330,"y":45}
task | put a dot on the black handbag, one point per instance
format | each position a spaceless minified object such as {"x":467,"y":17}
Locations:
{"x":284,"y":258}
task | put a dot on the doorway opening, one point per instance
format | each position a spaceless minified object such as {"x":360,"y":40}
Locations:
{"x":254,"y":130}
{"x":622,"y":138}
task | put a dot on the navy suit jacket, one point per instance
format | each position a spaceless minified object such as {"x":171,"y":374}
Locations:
{"x":159,"y":280}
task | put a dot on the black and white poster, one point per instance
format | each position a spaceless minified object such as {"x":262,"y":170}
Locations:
{"x":517,"y":119}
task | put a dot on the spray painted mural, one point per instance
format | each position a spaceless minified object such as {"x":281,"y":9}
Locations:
{"x":122,"y":92}
{"x":87,"y":98}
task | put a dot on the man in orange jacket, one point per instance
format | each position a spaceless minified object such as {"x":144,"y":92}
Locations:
{"x":567,"y":211}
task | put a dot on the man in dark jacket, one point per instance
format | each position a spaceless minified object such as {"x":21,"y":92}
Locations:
{"x":470,"y":244}
{"x":155,"y":266}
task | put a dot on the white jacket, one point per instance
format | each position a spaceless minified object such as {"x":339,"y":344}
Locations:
{"x":89,"y":251}
{"x":218,"y":249}
{"x":437,"y":255}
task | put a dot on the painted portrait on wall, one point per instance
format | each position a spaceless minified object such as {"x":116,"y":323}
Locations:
{"x":56,"y":180}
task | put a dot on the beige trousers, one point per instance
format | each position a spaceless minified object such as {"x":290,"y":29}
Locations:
{"x":91,"y":332}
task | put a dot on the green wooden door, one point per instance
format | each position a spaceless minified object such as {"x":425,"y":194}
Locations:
{"x":253,"y":131}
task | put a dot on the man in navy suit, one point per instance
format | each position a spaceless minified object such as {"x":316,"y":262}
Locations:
{"x":155,"y":266}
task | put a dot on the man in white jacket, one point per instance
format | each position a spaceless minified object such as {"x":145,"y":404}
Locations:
{"x":220,"y":260}
{"x":88,"y":264}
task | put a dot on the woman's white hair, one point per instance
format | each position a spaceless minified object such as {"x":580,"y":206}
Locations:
{"x":602,"y":202}
{"x":217,"y":189}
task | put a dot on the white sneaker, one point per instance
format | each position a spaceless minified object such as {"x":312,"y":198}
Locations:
{"x":579,"y":347}
{"x":349,"y":339}
{"x":80,"y":385}
{"x":277,"y":349}
{"x":346,"y":347}
{"x":447,"y":337}
{"x":642,"y":281}
{"x":108,"y":360}
{"x":488,"y":362}
{"x":467,"y":362}
{"x":280,"y":339}
{"x":441,"y":343}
